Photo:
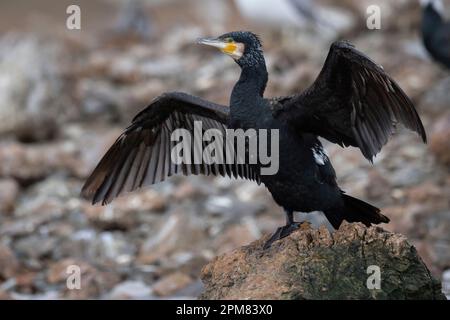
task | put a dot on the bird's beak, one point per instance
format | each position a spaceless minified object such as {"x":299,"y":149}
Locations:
{"x":234,"y":49}
{"x":213,"y":42}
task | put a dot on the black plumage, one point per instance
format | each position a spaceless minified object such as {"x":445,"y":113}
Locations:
{"x":353,"y":102}
{"x":141,"y":155}
{"x":436,"y":32}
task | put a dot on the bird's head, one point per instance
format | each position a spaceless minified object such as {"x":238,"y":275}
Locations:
{"x":243,"y":46}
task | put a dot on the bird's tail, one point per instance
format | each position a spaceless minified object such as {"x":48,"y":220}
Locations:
{"x":355,"y":210}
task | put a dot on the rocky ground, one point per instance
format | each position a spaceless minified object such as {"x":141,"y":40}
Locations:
{"x":65,"y":97}
{"x":314,"y":264}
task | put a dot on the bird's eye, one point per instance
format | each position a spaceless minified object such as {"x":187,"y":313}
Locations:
{"x":228,"y":40}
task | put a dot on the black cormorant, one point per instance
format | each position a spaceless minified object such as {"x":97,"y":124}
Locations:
{"x":436,"y":31}
{"x":353,"y":102}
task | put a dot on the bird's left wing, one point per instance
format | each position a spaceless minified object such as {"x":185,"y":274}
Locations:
{"x":352,"y":102}
{"x":142,"y":154}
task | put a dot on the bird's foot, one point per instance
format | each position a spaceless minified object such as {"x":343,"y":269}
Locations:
{"x":281,"y":233}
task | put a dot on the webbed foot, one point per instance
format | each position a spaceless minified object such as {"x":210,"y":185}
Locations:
{"x":281,"y":233}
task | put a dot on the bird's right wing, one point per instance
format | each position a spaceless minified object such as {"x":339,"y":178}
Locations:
{"x":352,"y":102}
{"x":142,"y":154}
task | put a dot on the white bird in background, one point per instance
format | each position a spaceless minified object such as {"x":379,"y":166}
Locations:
{"x":298,"y":14}
{"x":278,"y":12}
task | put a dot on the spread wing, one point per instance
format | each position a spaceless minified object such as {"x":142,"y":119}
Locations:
{"x":353,"y":102}
{"x":142,"y":153}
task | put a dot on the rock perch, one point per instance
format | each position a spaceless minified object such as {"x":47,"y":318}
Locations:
{"x":315,"y":264}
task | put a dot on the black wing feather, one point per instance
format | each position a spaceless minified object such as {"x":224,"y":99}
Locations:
{"x":141,"y":155}
{"x":352,"y":102}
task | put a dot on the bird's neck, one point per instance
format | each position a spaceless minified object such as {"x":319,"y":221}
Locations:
{"x":247,"y":96}
{"x":251,"y":85}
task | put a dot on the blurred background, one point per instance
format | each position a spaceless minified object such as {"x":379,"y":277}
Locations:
{"x":65,"y":95}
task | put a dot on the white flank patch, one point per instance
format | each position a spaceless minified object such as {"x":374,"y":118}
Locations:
{"x":320,"y":154}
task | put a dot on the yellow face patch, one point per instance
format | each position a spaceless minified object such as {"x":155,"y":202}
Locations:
{"x":229,"y":48}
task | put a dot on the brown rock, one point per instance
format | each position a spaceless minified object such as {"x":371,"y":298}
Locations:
{"x":171,"y":284}
{"x":9,"y":192}
{"x":58,"y":271}
{"x":4,"y":295}
{"x":179,"y":231}
{"x":25,"y":280}
{"x":32,"y":99}
{"x":233,"y":237}
{"x":184,"y":191}
{"x":314,"y":264}
{"x":92,"y":281}
{"x":377,"y":185}
{"x":8,"y":262}
{"x":142,"y":201}
{"x":131,"y":290}
{"x":107,"y":218}
{"x":440,"y":140}
{"x":399,"y":221}
{"x":436,"y":233}
{"x":121,"y":214}
{"x":35,"y":161}
{"x":426,"y":192}
{"x":88,"y":145}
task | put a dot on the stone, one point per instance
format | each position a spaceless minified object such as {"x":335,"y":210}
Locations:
{"x":93,"y":282}
{"x":31,"y":103}
{"x":436,"y":98}
{"x":35,"y":247}
{"x":65,"y":99}
{"x":142,"y":201}
{"x":107,"y":218}
{"x":176,"y":232}
{"x":376,"y":186}
{"x":8,"y":262}
{"x":9,"y":193}
{"x":57,"y":272}
{"x":171,"y":284}
{"x":233,"y":237}
{"x":4,"y":295}
{"x":131,"y":290}
{"x":25,"y":280}
{"x":185,"y":190}
{"x":317,"y":264}
{"x":28,"y":163}
{"x":440,"y":140}
{"x":49,"y":295}
{"x":114,"y":247}
{"x":133,"y":21}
